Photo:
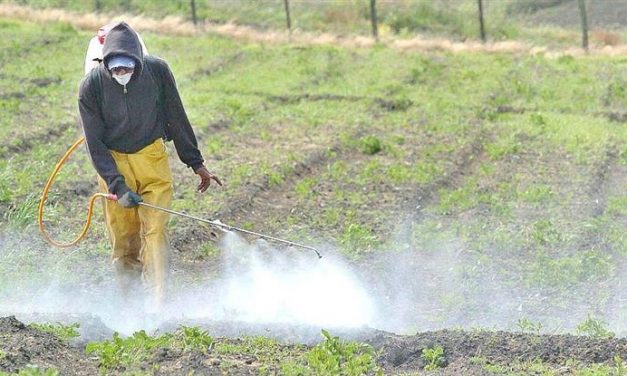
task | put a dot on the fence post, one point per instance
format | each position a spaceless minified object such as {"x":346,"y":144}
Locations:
{"x":287,"y":16}
{"x":194,"y":12}
{"x":584,"y":24}
{"x":481,"y":23}
{"x":373,"y":19}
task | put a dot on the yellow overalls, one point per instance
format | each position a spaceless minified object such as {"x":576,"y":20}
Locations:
{"x":139,"y":241}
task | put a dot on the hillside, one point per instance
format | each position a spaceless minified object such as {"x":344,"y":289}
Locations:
{"x":468,"y":190}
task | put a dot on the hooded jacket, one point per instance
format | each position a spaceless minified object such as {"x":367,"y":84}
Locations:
{"x":128,"y":118}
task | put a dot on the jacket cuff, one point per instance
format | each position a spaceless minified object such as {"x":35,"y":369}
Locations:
{"x":195,"y":167}
{"x":119,"y":188}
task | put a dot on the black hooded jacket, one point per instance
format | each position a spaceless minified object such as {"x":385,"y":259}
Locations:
{"x":127,"y":118}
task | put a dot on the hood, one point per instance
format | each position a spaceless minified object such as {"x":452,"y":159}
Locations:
{"x":123,"y":40}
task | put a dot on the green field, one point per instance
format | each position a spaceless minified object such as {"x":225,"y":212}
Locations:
{"x":465,"y":189}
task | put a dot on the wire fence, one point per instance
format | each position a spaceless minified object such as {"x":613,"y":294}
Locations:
{"x":485,"y":20}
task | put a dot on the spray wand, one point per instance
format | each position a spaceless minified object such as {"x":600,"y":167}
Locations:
{"x":226,"y":227}
{"x":215,"y":223}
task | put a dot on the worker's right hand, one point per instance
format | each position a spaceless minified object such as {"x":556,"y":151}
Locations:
{"x":130,"y":199}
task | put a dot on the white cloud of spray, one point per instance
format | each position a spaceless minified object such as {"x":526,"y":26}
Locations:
{"x":406,"y":288}
{"x":265,"y":285}
{"x":257,"y":284}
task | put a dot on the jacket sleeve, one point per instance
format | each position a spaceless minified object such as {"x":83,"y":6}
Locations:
{"x":180,"y":128}
{"x":93,"y":129}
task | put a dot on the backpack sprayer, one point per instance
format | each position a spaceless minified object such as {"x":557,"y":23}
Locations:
{"x":108,"y":196}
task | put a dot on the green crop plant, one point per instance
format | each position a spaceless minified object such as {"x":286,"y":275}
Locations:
{"x":434,"y":357}
{"x":620,"y":367}
{"x":128,"y":351}
{"x":64,"y":332}
{"x":593,"y":327}
{"x":336,"y":357}
{"x":196,"y":339}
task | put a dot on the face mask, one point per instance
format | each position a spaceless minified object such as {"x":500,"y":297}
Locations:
{"x":123,"y":79}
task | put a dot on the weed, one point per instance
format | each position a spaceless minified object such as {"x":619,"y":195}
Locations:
{"x":564,"y":272}
{"x":458,"y":199}
{"x":544,"y":232}
{"x":304,"y":188}
{"x":425,"y":173}
{"x":527,"y":326}
{"x":336,"y":357}
{"x":399,"y":174}
{"x":370,"y":145}
{"x":337,"y":170}
{"x":594,"y":328}
{"x":64,"y":332}
{"x":617,"y":206}
{"x":274,"y":177}
{"x":357,"y":239}
{"x":31,"y":370}
{"x":505,"y":146}
{"x":434,"y":357}
{"x":24,"y":213}
{"x":536,"y":193}
{"x":209,"y":250}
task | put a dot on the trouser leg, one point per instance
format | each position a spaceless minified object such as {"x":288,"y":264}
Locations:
{"x":155,"y":186}
{"x":124,"y":227}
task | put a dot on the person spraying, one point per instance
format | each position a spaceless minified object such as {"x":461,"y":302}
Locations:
{"x":128,"y":106}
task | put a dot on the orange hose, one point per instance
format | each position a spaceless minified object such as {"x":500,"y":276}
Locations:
{"x":45,"y":195}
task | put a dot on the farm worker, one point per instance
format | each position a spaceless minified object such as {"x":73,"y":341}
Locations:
{"x":128,"y":105}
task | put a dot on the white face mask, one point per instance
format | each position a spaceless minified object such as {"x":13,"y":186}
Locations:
{"x":123,"y":79}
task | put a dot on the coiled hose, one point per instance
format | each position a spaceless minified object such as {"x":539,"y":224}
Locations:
{"x":44,"y":196}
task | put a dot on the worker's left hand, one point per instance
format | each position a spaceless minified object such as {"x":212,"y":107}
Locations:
{"x":205,"y":179}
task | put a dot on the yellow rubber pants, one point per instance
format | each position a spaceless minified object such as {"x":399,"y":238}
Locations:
{"x":140,"y":245}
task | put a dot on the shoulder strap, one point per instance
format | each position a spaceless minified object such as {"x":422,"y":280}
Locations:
{"x":155,"y":72}
{"x":154,"y":68}
{"x":94,"y":77}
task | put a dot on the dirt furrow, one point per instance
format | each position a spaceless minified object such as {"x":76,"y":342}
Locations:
{"x":24,"y":144}
{"x":244,"y":205}
{"x":218,"y":66}
{"x":463,"y":352}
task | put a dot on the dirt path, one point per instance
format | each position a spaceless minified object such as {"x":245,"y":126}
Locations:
{"x":178,"y":26}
